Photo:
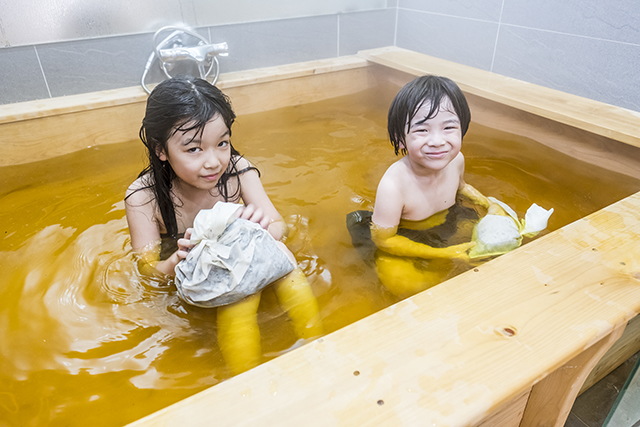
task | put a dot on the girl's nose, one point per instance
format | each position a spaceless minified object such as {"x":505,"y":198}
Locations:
{"x":211,"y":161}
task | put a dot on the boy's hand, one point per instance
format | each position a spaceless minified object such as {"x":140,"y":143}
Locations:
{"x":496,"y":209}
{"x":460,"y":251}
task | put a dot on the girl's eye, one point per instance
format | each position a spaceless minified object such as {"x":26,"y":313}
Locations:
{"x":223,"y":143}
{"x":193,"y":150}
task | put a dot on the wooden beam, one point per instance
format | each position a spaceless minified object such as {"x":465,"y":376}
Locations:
{"x":625,"y":347}
{"x":551,"y":399}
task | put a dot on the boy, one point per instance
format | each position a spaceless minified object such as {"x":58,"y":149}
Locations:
{"x":427,"y":120}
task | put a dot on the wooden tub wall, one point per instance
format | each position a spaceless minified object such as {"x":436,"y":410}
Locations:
{"x":509,"y":343}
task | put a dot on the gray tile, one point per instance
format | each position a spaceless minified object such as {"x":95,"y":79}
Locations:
{"x":20,"y":75}
{"x":366,"y":30}
{"x":619,"y":21}
{"x":392,"y":3}
{"x":101,"y":64}
{"x":574,"y":421}
{"x":466,"y":41}
{"x":601,"y":70}
{"x":475,"y":9}
{"x":270,"y":43}
{"x":94,"y":64}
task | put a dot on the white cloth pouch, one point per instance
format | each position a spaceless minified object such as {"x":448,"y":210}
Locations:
{"x":232,"y":259}
{"x":498,"y":234}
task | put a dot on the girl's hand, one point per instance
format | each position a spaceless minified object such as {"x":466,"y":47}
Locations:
{"x":184,"y":245}
{"x":254,"y":214}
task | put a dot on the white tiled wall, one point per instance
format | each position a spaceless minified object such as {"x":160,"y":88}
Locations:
{"x":72,"y":67}
{"x":589,"y":48}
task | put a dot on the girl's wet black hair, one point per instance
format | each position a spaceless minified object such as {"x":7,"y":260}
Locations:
{"x":181,"y":104}
{"x":405,"y":106}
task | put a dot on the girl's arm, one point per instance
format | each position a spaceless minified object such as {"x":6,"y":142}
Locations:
{"x":258,"y":207}
{"x":386,"y":217}
{"x":145,"y":233}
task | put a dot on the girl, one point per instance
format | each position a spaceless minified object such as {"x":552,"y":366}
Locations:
{"x":192,"y":166}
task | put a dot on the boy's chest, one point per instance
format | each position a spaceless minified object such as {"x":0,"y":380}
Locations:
{"x":423,"y":201}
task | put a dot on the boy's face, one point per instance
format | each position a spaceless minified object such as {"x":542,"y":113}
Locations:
{"x":432,"y":144}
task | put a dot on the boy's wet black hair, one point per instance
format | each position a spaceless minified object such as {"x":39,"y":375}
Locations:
{"x":408,"y":101}
{"x":181,"y":104}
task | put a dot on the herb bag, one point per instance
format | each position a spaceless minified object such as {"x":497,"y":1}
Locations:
{"x":232,"y":259}
{"x":498,"y":234}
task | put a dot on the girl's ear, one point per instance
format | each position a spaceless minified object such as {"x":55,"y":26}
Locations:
{"x":161,"y":155}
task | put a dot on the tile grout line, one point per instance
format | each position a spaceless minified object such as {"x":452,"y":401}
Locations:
{"x":44,"y":77}
{"x":495,"y":45}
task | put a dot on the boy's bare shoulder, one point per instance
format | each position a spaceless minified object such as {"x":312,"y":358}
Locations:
{"x":393,"y":179}
{"x":395,"y":175}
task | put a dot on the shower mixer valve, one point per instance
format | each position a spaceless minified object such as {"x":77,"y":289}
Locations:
{"x":173,"y":49}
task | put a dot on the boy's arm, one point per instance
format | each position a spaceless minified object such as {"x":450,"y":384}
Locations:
{"x":477,"y":197}
{"x":387,"y":240}
{"x":386,"y":217}
{"x":474,"y":195}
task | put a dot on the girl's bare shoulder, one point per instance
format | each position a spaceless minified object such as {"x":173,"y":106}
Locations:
{"x":242,"y":163}
{"x":139,"y":192}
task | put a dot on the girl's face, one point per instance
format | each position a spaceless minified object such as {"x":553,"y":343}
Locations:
{"x":432,"y":144}
{"x":200,"y":160}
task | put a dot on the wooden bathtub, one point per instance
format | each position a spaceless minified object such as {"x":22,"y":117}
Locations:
{"x":509,"y":343}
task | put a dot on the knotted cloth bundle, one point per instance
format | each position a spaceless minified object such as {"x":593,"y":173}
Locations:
{"x":498,"y":234}
{"x":232,"y":259}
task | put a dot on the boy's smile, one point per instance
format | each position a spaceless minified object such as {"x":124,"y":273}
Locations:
{"x":433,"y":143}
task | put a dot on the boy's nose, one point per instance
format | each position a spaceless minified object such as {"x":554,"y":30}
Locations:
{"x":436,"y":140}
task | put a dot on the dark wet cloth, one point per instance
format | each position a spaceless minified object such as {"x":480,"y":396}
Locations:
{"x":448,"y":233}
{"x":168,"y":245}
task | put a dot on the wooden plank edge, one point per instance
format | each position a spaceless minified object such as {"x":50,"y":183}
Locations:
{"x":134,"y":94}
{"x":623,"y":349}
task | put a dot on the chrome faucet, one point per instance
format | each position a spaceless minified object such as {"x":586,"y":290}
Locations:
{"x":173,"y":49}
